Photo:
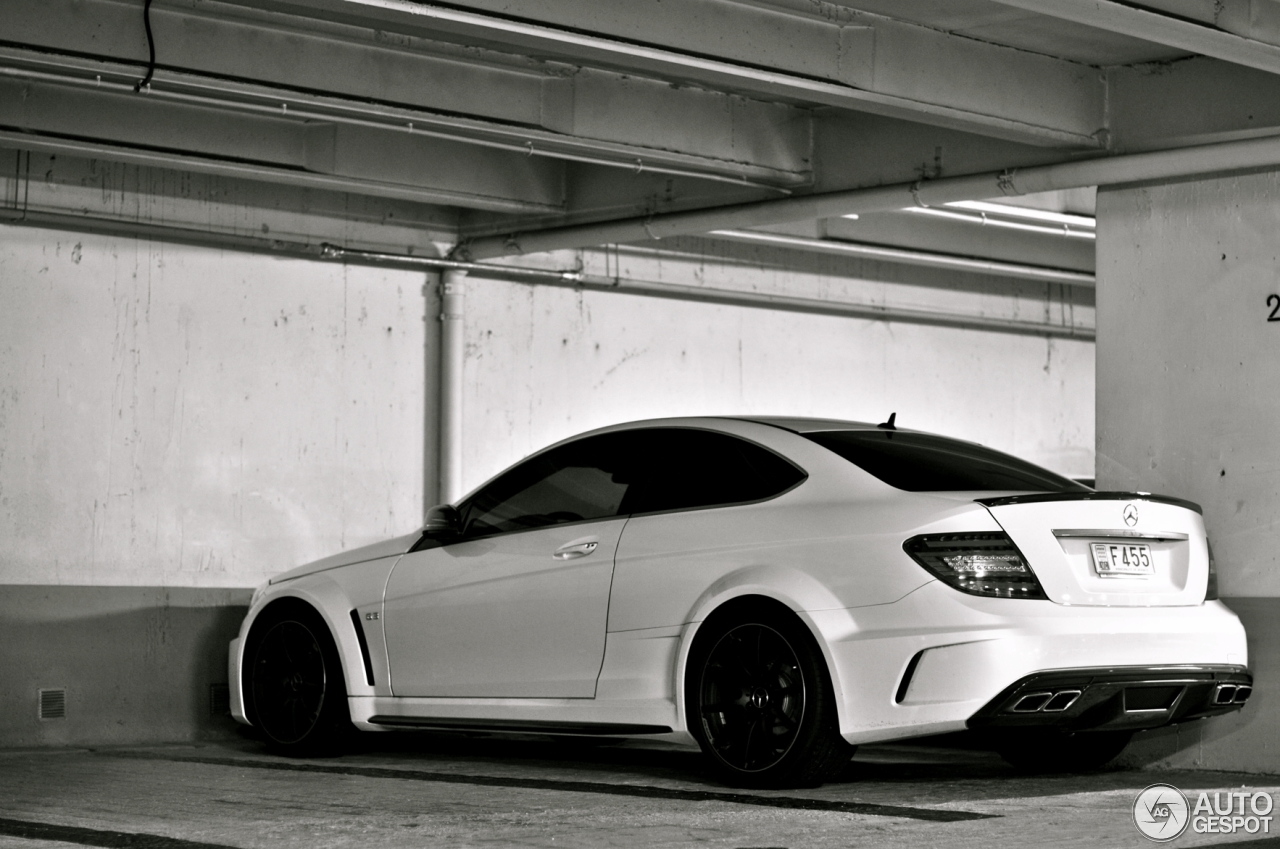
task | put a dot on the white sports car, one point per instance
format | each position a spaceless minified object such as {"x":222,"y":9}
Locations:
{"x":775,"y":590}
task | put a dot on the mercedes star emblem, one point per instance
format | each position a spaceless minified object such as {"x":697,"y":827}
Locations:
{"x":1130,"y":514}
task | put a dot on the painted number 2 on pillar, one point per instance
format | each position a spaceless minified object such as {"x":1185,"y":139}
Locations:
{"x":1273,"y":301}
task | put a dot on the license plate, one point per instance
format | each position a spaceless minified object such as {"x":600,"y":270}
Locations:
{"x":1115,"y":559}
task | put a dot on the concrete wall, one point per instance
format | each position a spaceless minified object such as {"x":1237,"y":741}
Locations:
{"x":545,"y":363}
{"x":138,"y":664}
{"x":175,"y":420}
{"x":1187,"y":358}
{"x":181,"y":416}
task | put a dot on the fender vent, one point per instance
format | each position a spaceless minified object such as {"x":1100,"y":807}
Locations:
{"x":53,"y":703}
{"x":364,"y":646}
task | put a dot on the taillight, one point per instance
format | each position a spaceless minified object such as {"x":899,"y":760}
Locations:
{"x":985,"y":564}
{"x":1211,"y":589}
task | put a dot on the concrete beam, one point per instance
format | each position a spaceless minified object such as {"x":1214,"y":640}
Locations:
{"x":1164,"y":165}
{"x":1195,"y":101}
{"x":238,"y":59}
{"x":137,"y":129}
{"x":1258,"y":20}
{"x":852,"y":61}
{"x":1171,"y":31}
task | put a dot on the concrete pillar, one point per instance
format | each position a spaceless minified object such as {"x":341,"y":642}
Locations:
{"x":1188,"y":359}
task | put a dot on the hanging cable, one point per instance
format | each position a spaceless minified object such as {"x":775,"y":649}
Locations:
{"x":145,"y":82}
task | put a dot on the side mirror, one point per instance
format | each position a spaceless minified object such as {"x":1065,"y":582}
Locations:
{"x":443,"y":522}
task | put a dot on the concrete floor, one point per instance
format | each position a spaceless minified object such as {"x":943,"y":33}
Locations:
{"x":456,"y":791}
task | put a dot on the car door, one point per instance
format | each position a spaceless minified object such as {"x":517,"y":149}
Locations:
{"x":690,"y":522}
{"x":517,"y":607}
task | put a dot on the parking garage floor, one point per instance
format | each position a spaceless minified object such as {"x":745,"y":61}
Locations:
{"x":458,"y":791}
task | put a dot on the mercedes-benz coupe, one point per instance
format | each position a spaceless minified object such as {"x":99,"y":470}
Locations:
{"x":774,"y":590}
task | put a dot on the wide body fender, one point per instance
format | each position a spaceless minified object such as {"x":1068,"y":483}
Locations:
{"x":797,"y":590}
{"x":333,"y":594}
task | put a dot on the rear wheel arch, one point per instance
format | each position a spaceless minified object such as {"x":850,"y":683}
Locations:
{"x":784,"y":606}
{"x":785,"y":678}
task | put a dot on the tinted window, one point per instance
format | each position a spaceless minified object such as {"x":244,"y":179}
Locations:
{"x":919,"y":462}
{"x":634,"y":471}
{"x":582,"y":480}
{"x":683,"y":469}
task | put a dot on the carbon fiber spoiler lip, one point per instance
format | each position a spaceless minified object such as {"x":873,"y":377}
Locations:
{"x":1089,"y":496}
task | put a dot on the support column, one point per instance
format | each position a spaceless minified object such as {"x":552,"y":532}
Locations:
{"x":452,"y":355}
{"x":1188,"y":404}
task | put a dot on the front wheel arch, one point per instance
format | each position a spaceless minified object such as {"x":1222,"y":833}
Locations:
{"x":332,"y":724}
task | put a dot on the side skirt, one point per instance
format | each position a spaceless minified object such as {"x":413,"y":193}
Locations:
{"x":527,"y":726}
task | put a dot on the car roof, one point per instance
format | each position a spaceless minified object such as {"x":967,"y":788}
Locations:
{"x":809,"y":425}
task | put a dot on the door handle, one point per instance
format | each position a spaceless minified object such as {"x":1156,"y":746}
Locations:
{"x":572,"y":551}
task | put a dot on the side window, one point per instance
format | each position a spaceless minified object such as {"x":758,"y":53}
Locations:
{"x":681,"y":469}
{"x":586,"y":479}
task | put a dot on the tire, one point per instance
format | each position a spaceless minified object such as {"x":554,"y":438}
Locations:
{"x":297,"y":695}
{"x":1056,"y":751}
{"x":759,"y":701}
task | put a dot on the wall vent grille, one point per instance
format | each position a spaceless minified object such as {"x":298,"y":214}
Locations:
{"x":53,"y":703}
{"x":219,"y":700}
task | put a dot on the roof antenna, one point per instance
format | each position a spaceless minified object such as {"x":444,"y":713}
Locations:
{"x":889,"y":425}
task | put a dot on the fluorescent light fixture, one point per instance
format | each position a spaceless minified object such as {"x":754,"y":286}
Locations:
{"x":1029,"y":220}
{"x":1010,"y":211}
{"x":986,"y":220}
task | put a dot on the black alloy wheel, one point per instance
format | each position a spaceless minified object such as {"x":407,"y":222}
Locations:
{"x":760,"y":704}
{"x":298,"y":696}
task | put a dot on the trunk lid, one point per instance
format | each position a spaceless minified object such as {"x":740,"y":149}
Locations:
{"x":1116,"y":549}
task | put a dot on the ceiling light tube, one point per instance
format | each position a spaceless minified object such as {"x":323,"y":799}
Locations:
{"x":912,"y":257}
{"x":1011,"y":211}
{"x":984,"y":220}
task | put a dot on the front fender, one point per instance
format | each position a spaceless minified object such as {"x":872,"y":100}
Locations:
{"x":333,"y":595}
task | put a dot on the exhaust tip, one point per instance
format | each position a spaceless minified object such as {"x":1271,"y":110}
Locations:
{"x":1031,"y":702}
{"x":1061,"y":700}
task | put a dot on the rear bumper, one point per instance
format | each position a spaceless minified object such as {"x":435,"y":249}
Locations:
{"x":930,"y":662}
{"x":1116,"y":699}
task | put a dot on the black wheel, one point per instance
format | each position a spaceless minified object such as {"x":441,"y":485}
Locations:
{"x":1056,"y":751}
{"x":297,"y":696}
{"x":759,"y":701}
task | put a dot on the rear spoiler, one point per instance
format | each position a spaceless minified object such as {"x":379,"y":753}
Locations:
{"x":1089,"y":496}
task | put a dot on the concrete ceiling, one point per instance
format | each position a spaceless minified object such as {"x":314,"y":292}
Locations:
{"x":501,"y":117}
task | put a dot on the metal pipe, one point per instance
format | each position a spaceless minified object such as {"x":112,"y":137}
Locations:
{"x":909,"y":257}
{"x":567,"y":278}
{"x":331,"y":251}
{"x":1130,"y":168}
{"x":817,"y":306}
{"x":452,"y":357}
{"x":728,"y":297}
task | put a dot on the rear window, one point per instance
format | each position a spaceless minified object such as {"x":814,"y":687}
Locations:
{"x":921,"y":462}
